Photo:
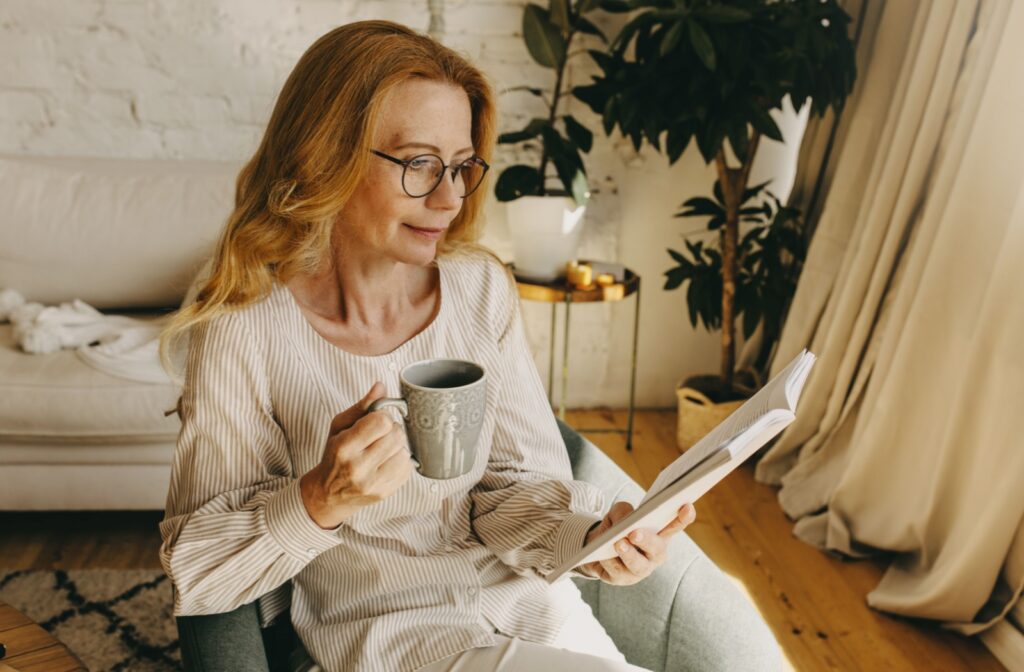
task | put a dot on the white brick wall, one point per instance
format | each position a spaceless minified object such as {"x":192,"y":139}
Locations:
{"x":198,"y":78}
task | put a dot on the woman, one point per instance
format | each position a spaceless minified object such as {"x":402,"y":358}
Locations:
{"x":349,"y":255}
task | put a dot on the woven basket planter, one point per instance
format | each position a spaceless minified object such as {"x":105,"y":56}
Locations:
{"x":698,"y":414}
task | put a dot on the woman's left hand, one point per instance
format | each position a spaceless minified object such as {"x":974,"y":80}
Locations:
{"x":639,"y":553}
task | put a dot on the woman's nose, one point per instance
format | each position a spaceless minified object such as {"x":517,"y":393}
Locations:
{"x":446,"y":196}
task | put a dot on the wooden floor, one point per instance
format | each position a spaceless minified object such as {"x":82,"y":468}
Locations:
{"x":813,"y":602}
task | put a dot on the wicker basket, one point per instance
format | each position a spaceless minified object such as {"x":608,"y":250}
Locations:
{"x":698,"y":415}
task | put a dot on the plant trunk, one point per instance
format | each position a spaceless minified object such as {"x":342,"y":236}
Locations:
{"x":729,"y":234}
{"x":734,"y":183}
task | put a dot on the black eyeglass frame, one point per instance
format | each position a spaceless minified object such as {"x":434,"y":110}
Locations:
{"x":404,"y":163}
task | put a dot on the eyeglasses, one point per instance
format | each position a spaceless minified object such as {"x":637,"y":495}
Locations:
{"x":423,"y":173}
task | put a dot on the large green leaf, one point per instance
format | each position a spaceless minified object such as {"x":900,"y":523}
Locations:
{"x":764,"y":123}
{"x":610,"y":115}
{"x":587,"y":26}
{"x":675,"y":277}
{"x":594,"y":96}
{"x":754,"y":190}
{"x":701,"y":42}
{"x":672,"y":37}
{"x":557,"y":146}
{"x":721,"y":13}
{"x":531,"y":130}
{"x":579,"y":133}
{"x":543,"y":39}
{"x":616,"y":6}
{"x":676,"y":143}
{"x":580,"y":189}
{"x":701,"y":206}
{"x":738,"y":140}
{"x":516,"y":181}
{"x":635,"y":24}
{"x":568,"y":164}
{"x":558,"y":10}
{"x":680,"y":258}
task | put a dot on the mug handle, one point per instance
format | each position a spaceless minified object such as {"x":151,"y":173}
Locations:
{"x":403,"y":407}
{"x":390,"y":402}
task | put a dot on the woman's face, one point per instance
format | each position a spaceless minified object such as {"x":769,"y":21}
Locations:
{"x":419,"y":117}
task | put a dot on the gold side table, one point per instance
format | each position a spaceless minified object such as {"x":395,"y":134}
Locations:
{"x":559,"y":291}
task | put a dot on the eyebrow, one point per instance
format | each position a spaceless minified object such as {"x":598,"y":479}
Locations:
{"x":430,"y":147}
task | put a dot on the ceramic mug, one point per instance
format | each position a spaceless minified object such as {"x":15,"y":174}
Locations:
{"x":443,"y":405}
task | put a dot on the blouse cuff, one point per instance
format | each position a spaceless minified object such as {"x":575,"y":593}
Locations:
{"x":291,"y":527}
{"x":571,"y":535}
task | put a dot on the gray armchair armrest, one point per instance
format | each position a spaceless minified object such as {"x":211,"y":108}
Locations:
{"x":687,"y":615}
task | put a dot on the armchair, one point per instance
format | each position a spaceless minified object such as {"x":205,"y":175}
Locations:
{"x":685,"y":616}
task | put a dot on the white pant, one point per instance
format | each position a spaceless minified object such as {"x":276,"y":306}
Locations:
{"x":581,"y":644}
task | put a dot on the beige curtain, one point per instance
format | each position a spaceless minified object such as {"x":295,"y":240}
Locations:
{"x":912,"y":297}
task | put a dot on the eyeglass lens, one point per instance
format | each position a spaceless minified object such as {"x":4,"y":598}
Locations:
{"x":424,"y":173}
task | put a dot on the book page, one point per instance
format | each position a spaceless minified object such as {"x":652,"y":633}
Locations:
{"x":771,"y":396}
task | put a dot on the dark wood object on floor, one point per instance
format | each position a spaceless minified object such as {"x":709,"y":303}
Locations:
{"x":30,"y":648}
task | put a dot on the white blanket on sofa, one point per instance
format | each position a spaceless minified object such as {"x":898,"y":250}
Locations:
{"x":115,"y":344}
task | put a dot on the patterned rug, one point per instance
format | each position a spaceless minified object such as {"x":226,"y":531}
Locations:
{"x":111,"y":619}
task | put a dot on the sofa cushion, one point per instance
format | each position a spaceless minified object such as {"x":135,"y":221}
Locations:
{"x":58,"y":397}
{"x":115,"y":233}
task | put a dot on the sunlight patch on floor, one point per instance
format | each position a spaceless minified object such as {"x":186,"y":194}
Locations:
{"x":736,"y":581}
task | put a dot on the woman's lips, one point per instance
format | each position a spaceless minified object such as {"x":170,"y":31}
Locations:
{"x":429,"y":234}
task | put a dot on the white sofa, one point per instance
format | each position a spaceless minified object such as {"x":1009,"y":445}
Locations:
{"x":126,"y":236}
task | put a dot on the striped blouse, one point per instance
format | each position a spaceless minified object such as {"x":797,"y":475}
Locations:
{"x":430,"y":571}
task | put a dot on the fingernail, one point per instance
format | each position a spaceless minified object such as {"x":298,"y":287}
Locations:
{"x":638,"y":535}
{"x":622,"y":546}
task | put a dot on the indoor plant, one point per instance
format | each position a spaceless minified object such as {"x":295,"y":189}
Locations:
{"x":545,"y":222}
{"x":769,"y":258}
{"x":712,"y":72}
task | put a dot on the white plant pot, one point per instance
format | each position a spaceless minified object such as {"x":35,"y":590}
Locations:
{"x":545,"y":234}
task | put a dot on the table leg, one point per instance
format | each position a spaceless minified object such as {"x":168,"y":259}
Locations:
{"x":632,"y":375}
{"x":565,"y":359}
{"x":551,"y":357}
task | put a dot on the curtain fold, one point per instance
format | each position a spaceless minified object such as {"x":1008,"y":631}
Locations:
{"x":912,"y":297}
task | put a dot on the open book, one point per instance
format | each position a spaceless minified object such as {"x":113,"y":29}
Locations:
{"x":697,"y":470}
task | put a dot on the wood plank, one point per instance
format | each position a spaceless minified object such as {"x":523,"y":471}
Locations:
{"x":54,"y":658}
{"x":11,"y":618}
{"x":25,"y":639}
{"x":30,"y":647}
{"x":80,"y":539}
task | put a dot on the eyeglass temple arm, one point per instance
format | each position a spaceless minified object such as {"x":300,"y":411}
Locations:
{"x":389,"y":158}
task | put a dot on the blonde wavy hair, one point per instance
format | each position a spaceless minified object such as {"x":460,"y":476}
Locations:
{"x":312,"y":158}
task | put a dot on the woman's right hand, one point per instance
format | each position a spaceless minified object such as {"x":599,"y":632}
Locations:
{"x":366,"y":459}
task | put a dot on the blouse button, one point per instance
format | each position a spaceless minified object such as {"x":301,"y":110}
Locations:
{"x":311,"y":552}
{"x":433,"y":487}
{"x":392,"y":366}
{"x":471,"y":591}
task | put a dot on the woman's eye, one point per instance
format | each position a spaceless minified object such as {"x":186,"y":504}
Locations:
{"x":419,"y":164}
